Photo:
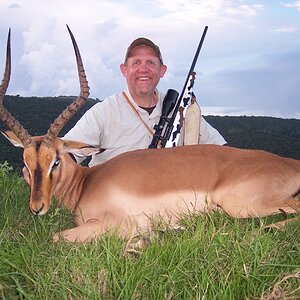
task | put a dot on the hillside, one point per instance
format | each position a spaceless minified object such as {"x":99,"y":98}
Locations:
{"x":277,"y":135}
{"x":280,"y":136}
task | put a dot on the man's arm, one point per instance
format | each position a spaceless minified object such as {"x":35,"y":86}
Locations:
{"x":210,"y":135}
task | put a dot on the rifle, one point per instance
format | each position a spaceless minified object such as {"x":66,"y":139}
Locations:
{"x":171,"y":103}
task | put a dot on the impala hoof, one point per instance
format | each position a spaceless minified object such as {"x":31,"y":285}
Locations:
{"x":55,"y":237}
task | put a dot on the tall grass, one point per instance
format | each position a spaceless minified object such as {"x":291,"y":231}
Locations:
{"x":214,"y":257}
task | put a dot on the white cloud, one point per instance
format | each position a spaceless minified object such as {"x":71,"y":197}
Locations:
{"x":288,"y":29}
{"x":240,"y":32}
{"x":295,"y":4}
{"x":239,"y":111}
{"x":243,"y":10}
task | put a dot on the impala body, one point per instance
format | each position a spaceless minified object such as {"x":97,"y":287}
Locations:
{"x":127,"y":192}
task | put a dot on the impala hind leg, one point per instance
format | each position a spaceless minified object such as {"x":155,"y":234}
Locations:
{"x":292,"y":205}
{"x":281,"y":224}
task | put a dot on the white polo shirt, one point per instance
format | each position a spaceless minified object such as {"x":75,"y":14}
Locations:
{"x":113,"y":125}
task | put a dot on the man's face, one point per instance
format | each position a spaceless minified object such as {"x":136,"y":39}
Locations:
{"x":142,"y":71}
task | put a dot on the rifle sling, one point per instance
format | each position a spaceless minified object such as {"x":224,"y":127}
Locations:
{"x":137,"y":113}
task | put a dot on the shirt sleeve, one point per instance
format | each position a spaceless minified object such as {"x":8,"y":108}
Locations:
{"x":210,"y":135}
{"x":88,"y":128}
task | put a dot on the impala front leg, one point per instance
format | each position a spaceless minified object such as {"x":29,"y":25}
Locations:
{"x":92,"y":230}
{"x":82,"y":234}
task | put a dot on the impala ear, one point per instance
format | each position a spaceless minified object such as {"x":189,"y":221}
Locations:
{"x":13,"y":138}
{"x":80,"y":149}
{"x":86,"y":151}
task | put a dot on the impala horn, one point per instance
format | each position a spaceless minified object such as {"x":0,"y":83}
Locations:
{"x":70,"y":111}
{"x":5,"y":115}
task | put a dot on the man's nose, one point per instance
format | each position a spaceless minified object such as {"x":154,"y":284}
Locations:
{"x":143,"y":66}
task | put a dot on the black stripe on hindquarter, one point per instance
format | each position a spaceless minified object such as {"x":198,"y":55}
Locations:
{"x":297,"y":194}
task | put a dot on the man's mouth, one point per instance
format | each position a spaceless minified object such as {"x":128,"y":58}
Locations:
{"x":143,"y":78}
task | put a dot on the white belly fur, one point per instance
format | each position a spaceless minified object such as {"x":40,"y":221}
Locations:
{"x":118,"y":208}
{"x":167,"y":208}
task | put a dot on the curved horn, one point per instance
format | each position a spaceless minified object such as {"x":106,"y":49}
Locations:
{"x":70,"y":111}
{"x":5,"y":115}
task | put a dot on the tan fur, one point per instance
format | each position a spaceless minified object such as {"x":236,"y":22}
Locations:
{"x":127,"y":192}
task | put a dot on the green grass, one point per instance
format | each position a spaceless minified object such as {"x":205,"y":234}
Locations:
{"x":214,"y":257}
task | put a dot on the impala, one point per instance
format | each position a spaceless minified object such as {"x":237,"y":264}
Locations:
{"x":127,"y":192}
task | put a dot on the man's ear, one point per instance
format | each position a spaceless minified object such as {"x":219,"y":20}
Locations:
{"x":123,"y":69}
{"x":80,"y":149}
{"x":12,"y":138}
{"x":163,"y":70}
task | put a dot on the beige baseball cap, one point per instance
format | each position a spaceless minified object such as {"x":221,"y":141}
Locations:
{"x":143,"y":42}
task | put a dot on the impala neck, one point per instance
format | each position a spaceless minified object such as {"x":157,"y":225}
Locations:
{"x":70,"y":182}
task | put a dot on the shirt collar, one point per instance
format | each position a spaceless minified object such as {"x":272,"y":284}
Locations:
{"x":157,"y":110}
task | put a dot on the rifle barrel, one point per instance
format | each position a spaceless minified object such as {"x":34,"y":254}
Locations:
{"x":172,"y":119}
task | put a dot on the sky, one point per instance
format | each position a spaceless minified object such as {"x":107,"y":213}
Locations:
{"x":249,"y":63}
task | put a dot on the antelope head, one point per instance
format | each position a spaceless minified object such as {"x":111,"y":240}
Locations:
{"x":42,"y":154}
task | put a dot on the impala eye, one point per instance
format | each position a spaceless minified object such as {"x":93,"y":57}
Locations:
{"x":56,"y":163}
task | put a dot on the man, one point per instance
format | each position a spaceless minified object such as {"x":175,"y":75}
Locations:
{"x":125,"y":121}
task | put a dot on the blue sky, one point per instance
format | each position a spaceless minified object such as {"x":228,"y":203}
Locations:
{"x":249,"y":63}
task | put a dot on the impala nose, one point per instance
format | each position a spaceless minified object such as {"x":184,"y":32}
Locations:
{"x":37,"y":211}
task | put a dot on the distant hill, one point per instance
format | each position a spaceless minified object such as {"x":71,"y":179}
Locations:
{"x":277,"y":135}
{"x":280,"y":136}
{"x":35,"y":114}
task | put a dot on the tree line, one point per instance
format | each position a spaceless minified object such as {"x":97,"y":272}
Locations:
{"x":277,"y":135}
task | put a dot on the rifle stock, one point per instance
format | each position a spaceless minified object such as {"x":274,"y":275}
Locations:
{"x":168,"y":106}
